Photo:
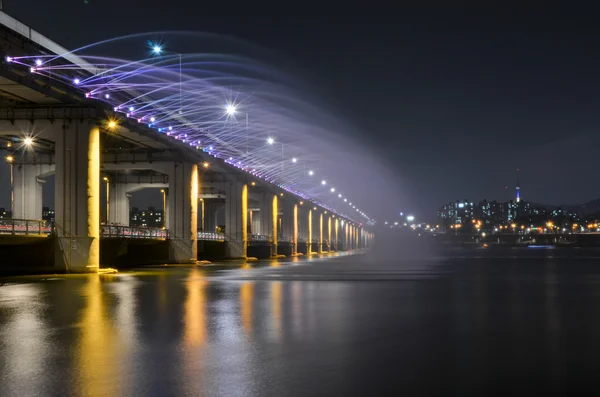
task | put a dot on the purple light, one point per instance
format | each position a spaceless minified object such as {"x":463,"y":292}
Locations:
{"x":9,"y":59}
{"x":131,"y":109}
{"x":152,"y":119}
{"x":38,"y":62}
{"x":107,"y":96}
{"x":76,"y":81}
{"x":87,"y":94}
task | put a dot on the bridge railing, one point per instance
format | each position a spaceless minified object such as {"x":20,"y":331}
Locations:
{"x":211,"y":236}
{"x":25,"y":227}
{"x":114,"y":231}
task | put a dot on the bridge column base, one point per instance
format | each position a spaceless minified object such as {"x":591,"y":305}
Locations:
{"x":77,"y":197}
{"x":236,"y":219}
{"x":183,"y":213}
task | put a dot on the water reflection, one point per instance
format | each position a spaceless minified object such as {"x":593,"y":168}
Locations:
{"x":276,"y":304}
{"x":24,"y":343}
{"x":97,"y":350}
{"x":246,"y":301}
{"x":195,"y":332}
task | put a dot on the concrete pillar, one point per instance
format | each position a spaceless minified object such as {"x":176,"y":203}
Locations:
{"x":210,"y":222}
{"x":265,"y":215}
{"x":347,"y":236}
{"x":287,"y":216}
{"x":295,"y":230}
{"x":255,"y":222}
{"x":320,"y":248}
{"x":329,"y":244}
{"x":27,"y":190}
{"x":77,"y":197}
{"x":337,"y":238}
{"x":183,"y":212}
{"x":275,"y":216}
{"x":118,"y":201}
{"x":310,"y":234}
{"x":236,"y":219}
{"x":202,"y":215}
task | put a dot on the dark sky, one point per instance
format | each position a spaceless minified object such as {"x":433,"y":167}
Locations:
{"x":453,"y":100}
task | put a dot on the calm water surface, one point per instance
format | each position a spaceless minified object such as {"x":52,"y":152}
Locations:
{"x":458,"y":323}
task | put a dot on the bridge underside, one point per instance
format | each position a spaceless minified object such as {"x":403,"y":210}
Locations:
{"x":98,"y":159}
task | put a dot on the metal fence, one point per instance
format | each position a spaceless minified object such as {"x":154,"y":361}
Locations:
{"x":133,"y":232}
{"x":26,"y":227}
{"x":211,"y":236}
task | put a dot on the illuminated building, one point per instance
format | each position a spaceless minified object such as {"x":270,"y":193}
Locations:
{"x":47,"y":214}
{"x":146,"y":218}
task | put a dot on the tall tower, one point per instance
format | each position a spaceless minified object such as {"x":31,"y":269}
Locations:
{"x":518,"y":187}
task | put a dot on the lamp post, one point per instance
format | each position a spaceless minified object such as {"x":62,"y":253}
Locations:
{"x":10,"y":159}
{"x":164,"y":217}
{"x":107,"y":198}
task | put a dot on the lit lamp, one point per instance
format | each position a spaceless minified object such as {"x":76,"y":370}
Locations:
{"x":107,"y":198}
{"x":164,"y":195}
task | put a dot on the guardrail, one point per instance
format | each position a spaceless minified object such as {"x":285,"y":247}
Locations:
{"x":211,"y":236}
{"x":133,"y":232}
{"x":25,"y":227}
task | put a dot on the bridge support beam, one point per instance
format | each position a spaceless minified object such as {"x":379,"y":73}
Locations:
{"x":329,"y":245}
{"x":27,"y":190}
{"x":320,"y":248}
{"x":310,"y":232}
{"x":275,"y":224}
{"x":269,"y":219}
{"x":295,"y":230}
{"x":236,"y":219}
{"x":346,"y":236}
{"x":337,"y":237}
{"x":77,"y":197}
{"x":118,"y":202}
{"x":183,"y":212}
{"x":289,"y":224}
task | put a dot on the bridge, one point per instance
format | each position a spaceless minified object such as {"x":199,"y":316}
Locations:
{"x":65,"y":116}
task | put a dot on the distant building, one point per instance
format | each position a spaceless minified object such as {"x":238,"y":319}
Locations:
{"x":146,"y":218}
{"x":4,"y":214}
{"x":490,"y":212}
{"x":456,"y":212}
{"x":48,"y":214}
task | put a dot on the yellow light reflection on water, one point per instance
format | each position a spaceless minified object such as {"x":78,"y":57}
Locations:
{"x":276,"y":303}
{"x":195,"y":333}
{"x":97,"y":350}
{"x":246,"y":299}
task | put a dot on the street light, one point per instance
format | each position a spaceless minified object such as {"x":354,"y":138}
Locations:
{"x":164,"y":194}
{"x":10,"y":159}
{"x":28,"y":141}
{"x":230,"y":109}
{"x":107,"y":198}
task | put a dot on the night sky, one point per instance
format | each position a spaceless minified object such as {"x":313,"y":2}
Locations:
{"x":452,"y":101}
